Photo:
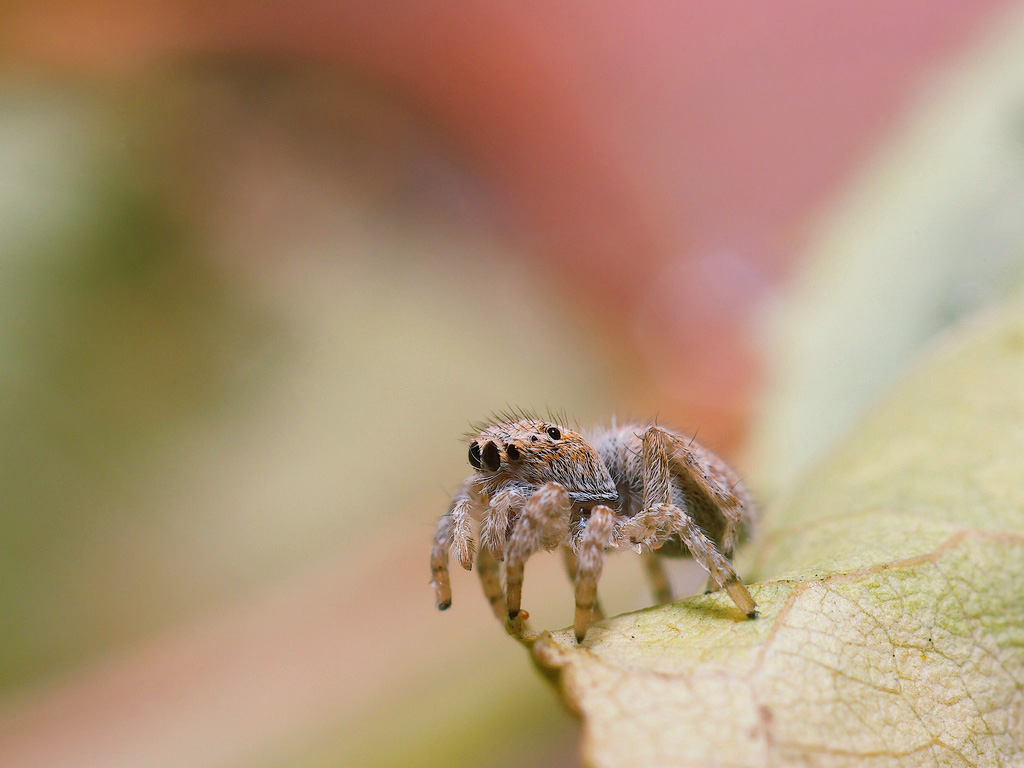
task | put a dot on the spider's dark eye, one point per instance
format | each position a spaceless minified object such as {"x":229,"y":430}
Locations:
{"x":474,"y":455}
{"x":554,"y":434}
{"x":491,"y":457}
{"x":533,"y":438}
{"x":512,"y":452}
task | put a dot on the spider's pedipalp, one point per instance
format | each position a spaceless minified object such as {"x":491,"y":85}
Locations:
{"x":544,"y":524}
{"x":503,"y":509}
{"x":594,"y":538}
{"x":462,"y":531}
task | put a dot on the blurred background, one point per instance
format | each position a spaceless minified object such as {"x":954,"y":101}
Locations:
{"x":261,"y":265}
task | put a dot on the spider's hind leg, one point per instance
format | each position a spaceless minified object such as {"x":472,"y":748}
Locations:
{"x":712,"y":585}
{"x":661,"y":518}
{"x":661,"y":587}
{"x":707,"y":477}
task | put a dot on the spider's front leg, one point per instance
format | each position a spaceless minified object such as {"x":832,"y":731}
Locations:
{"x":454,"y":533}
{"x":439,"y":563}
{"x":660,"y":519}
{"x":572,"y":568}
{"x":504,"y":507}
{"x":593,"y":539}
{"x":544,"y":524}
{"x":490,"y":582}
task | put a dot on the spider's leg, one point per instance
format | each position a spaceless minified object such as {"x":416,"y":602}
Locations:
{"x":705,"y":474}
{"x":572,"y":566}
{"x":658,"y":579}
{"x":653,"y":526}
{"x":593,"y":539}
{"x":439,"y":562}
{"x":487,"y":570}
{"x":661,"y":519}
{"x":544,"y":524}
{"x":493,"y":539}
{"x":454,"y":533}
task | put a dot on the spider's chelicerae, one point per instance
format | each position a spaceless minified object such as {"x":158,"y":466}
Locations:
{"x":539,"y":485}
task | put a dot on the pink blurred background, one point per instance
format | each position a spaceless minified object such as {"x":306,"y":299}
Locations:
{"x":265,"y":262}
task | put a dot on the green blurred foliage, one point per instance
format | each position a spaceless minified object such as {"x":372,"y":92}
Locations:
{"x":222,"y":368}
{"x":112,"y":333}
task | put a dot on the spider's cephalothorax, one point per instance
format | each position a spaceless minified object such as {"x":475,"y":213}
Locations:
{"x":526,"y":454}
{"x":539,"y":485}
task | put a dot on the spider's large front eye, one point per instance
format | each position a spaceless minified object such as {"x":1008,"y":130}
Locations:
{"x":474,"y":455}
{"x":554,"y":434}
{"x":491,"y":457}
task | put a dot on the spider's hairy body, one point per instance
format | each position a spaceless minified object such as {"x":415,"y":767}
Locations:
{"x":539,"y":485}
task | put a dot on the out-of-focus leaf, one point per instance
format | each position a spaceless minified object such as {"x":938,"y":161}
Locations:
{"x":891,"y":594}
{"x":926,"y":234}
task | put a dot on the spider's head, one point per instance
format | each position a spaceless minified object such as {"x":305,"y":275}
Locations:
{"x":534,"y":452}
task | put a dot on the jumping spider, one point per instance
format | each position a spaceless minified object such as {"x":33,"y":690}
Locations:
{"x":538,"y":485}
